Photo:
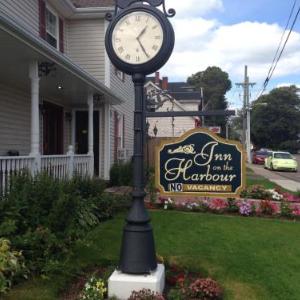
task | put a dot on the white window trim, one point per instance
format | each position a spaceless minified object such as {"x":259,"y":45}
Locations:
{"x":57,"y":25}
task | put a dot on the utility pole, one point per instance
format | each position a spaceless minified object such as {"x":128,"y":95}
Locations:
{"x":202,"y":106}
{"x":246,"y":139}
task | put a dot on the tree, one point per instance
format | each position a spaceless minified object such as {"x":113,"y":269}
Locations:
{"x":236,"y":126}
{"x":215,"y":84}
{"x":275,"y":119}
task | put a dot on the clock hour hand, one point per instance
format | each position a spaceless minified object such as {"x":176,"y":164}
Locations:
{"x":142,"y":32}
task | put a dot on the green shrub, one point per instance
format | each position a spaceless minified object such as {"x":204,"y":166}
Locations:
{"x":11,"y":265}
{"x":121,"y":174}
{"x":285,"y":209}
{"x":43,"y":216}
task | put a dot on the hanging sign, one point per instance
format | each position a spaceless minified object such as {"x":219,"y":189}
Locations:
{"x":200,"y":163}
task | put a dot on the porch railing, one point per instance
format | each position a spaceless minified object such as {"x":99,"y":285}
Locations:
{"x":82,"y":164}
{"x":10,"y":166}
{"x":57,"y":166}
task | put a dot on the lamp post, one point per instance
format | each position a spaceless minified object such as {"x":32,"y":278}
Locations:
{"x":129,"y":45}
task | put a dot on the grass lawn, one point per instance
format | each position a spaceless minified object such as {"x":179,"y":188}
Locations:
{"x":253,"y":258}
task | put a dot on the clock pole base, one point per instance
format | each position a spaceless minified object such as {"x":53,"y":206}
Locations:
{"x":121,"y":285}
{"x":137,"y":250}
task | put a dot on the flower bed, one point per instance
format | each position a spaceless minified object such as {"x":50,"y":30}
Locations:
{"x":180,"y":284}
{"x":255,"y":201}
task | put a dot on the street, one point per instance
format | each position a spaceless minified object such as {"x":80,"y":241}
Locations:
{"x":288,"y":180}
{"x":284,"y":174}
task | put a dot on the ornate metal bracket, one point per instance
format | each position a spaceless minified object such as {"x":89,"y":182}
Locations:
{"x":121,"y":4}
{"x":45,"y":68}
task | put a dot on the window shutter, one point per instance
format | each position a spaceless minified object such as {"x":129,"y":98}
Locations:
{"x":42,"y":19}
{"x":61,"y":35}
{"x":123,"y":131}
{"x":116,"y":133}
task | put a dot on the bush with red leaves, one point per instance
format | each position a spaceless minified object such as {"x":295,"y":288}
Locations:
{"x":204,"y":289}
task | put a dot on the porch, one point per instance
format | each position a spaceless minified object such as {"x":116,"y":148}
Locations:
{"x":44,"y":97}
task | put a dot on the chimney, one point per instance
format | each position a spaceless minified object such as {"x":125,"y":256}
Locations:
{"x":164,"y":84}
{"x":157,"y":79}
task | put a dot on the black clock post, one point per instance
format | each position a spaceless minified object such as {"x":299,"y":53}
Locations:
{"x":138,"y":250}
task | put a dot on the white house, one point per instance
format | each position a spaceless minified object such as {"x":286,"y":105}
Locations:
{"x":63,"y":106}
{"x":175,"y":96}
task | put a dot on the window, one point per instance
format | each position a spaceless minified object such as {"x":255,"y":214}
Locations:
{"x":51,"y":28}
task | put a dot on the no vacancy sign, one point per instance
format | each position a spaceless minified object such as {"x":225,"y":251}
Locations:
{"x":200,"y":163}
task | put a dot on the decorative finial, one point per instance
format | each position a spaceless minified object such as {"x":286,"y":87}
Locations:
{"x":121,"y":4}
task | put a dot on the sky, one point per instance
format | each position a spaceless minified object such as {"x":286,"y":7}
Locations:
{"x":231,"y":34}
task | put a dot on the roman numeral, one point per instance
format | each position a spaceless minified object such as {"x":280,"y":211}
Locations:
{"x":137,"y":58}
{"x":155,"y":47}
{"x":158,"y":37}
{"x":155,"y":26}
{"x":127,"y":57}
{"x":137,"y":18}
{"x":121,"y":49}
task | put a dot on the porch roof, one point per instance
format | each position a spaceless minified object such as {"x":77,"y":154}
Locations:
{"x":19,"y":47}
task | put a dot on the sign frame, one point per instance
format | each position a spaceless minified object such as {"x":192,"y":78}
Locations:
{"x":217,"y":138}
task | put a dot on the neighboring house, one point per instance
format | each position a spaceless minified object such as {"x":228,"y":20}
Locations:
{"x":59,"y":93}
{"x":175,"y":96}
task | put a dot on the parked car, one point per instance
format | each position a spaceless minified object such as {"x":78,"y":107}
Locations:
{"x":278,"y":160}
{"x":259,"y":156}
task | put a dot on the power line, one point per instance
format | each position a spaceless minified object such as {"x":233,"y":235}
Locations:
{"x":274,"y":65}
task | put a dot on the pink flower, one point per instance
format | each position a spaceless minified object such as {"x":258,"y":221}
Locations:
{"x":218,"y":204}
{"x":296,"y":211}
{"x":289,"y":197}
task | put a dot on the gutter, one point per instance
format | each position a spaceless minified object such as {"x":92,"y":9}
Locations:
{"x":69,"y":11}
{"x":9,"y":25}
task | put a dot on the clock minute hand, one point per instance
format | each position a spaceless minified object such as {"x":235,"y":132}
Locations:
{"x":143,"y":48}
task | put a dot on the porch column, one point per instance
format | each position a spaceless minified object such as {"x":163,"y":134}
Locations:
{"x":91,"y":131}
{"x":107,"y":141}
{"x":35,"y":119}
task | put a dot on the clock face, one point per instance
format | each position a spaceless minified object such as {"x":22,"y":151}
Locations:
{"x":137,"y":37}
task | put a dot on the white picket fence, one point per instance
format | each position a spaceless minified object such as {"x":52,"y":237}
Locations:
{"x":57,"y":166}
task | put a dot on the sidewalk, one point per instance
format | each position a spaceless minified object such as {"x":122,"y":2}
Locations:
{"x":288,"y":184}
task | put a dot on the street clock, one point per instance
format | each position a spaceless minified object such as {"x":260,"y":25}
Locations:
{"x":140,"y":39}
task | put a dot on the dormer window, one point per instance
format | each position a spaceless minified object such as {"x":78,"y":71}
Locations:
{"x":51,"y":28}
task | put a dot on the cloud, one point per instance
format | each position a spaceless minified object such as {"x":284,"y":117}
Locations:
{"x":286,"y":84}
{"x":201,"y":43}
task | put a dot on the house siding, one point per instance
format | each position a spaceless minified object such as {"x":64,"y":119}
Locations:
{"x":14,"y":121}
{"x":23,"y":11}
{"x":125,"y":90}
{"x":85,"y":45}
